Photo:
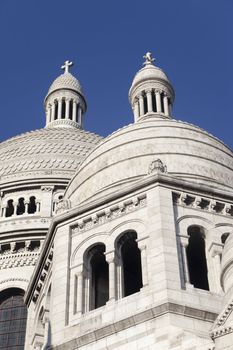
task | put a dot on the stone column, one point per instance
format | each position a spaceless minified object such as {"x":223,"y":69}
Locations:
{"x":136,"y":109}
{"x":142,"y":247}
{"x":74,"y":111}
{"x":37,"y":207}
{"x":4,"y":211}
{"x":216,"y":252}
{"x":59,"y":109}
{"x":15,"y":204}
{"x":67,"y":108}
{"x":165,"y":103}
{"x":26,"y":203}
{"x":53,"y":112}
{"x":141,"y":105}
{"x":112,"y":278}
{"x":79,"y":115}
{"x":158,"y":102}
{"x":79,"y":301}
{"x":184,"y":240}
{"x":149,"y":101}
{"x":48,"y":114}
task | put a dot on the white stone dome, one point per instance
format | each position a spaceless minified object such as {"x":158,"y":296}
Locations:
{"x":149,"y":72}
{"x":124,"y":157}
{"x":65,"y":81}
{"x":45,"y":151}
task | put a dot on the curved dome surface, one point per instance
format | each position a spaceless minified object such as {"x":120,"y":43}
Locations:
{"x":65,"y":81}
{"x":149,"y":72}
{"x":124,"y":157}
{"x":59,"y":149}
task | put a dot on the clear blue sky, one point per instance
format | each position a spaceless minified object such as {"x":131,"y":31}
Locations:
{"x":106,"y":39}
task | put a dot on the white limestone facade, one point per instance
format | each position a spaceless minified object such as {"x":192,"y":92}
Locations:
{"x":138,"y":251}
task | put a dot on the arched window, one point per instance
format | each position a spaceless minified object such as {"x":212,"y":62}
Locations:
{"x":9,"y":208}
{"x":98,"y":275}
{"x":154,"y":102}
{"x":162,"y":102}
{"x":20,"y":207}
{"x":71,"y":109}
{"x":63,"y":109}
{"x":56,"y":110}
{"x":145,"y":104}
{"x":130,"y":263}
{"x":13,"y":317}
{"x":32,"y":205}
{"x":196,"y":257}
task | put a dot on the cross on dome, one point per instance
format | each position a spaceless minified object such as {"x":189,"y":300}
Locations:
{"x":148,"y":59}
{"x":66,"y":66}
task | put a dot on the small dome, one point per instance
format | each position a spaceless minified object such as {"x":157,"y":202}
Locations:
{"x":149,"y":72}
{"x":65,"y":81}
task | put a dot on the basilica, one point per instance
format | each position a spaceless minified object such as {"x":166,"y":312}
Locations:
{"x":116,"y":243}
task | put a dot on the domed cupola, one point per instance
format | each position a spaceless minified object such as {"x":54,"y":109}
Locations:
{"x":65,"y":103}
{"x":151,"y":93}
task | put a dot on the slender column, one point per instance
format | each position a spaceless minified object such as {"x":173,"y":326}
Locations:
{"x":158,"y":101}
{"x":26,"y":203}
{"x":74,"y":111}
{"x":79,"y":302}
{"x":149,"y":101}
{"x":48,"y":115}
{"x":216,"y":252}
{"x":136,"y":109}
{"x":184,"y":244}
{"x":142,"y":248}
{"x":53,"y":112}
{"x":67,"y":108}
{"x":59,"y":109}
{"x":112,"y":285}
{"x":37,"y":207}
{"x":15,"y":204}
{"x":170,"y":109}
{"x":79,"y":115}
{"x":165,"y":103}
{"x":141,"y":105}
{"x":3,"y":211}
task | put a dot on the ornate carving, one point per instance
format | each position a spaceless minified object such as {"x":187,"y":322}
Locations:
{"x":110,"y":214}
{"x":202,"y":203}
{"x":14,"y":279}
{"x":47,"y":188}
{"x":156,"y":167}
{"x":62,"y":206}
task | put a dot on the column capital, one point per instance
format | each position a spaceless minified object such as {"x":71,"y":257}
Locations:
{"x":110,"y":256}
{"x":215,"y":249}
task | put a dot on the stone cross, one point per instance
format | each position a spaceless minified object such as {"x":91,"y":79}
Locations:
{"x":66,"y":66}
{"x":148,"y":58}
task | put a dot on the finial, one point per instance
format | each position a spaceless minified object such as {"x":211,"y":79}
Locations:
{"x":66,"y":66}
{"x":148,"y":59}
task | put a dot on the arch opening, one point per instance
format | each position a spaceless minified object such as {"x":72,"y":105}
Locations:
{"x":13,"y":318}
{"x":99,"y":276}
{"x":196,"y":257}
{"x":32,"y":205}
{"x":130,"y":260}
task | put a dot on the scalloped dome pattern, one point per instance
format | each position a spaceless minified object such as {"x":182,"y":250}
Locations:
{"x":65,"y":81}
{"x":46,"y":149}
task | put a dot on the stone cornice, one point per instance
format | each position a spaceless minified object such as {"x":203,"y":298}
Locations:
{"x":143,"y":184}
{"x":134,"y":320}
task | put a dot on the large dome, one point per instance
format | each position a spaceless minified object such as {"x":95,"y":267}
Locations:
{"x":124,"y":157}
{"x":45,"y":151}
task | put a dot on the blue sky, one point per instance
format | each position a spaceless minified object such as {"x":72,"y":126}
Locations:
{"x":190,"y":39}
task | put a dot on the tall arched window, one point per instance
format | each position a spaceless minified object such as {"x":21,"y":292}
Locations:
{"x":20,"y":207}
{"x":130,"y":263}
{"x":32,"y":205}
{"x":196,"y":257}
{"x":63,"y":109}
{"x":9,"y":208}
{"x":13,"y":317}
{"x":98,"y":275}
